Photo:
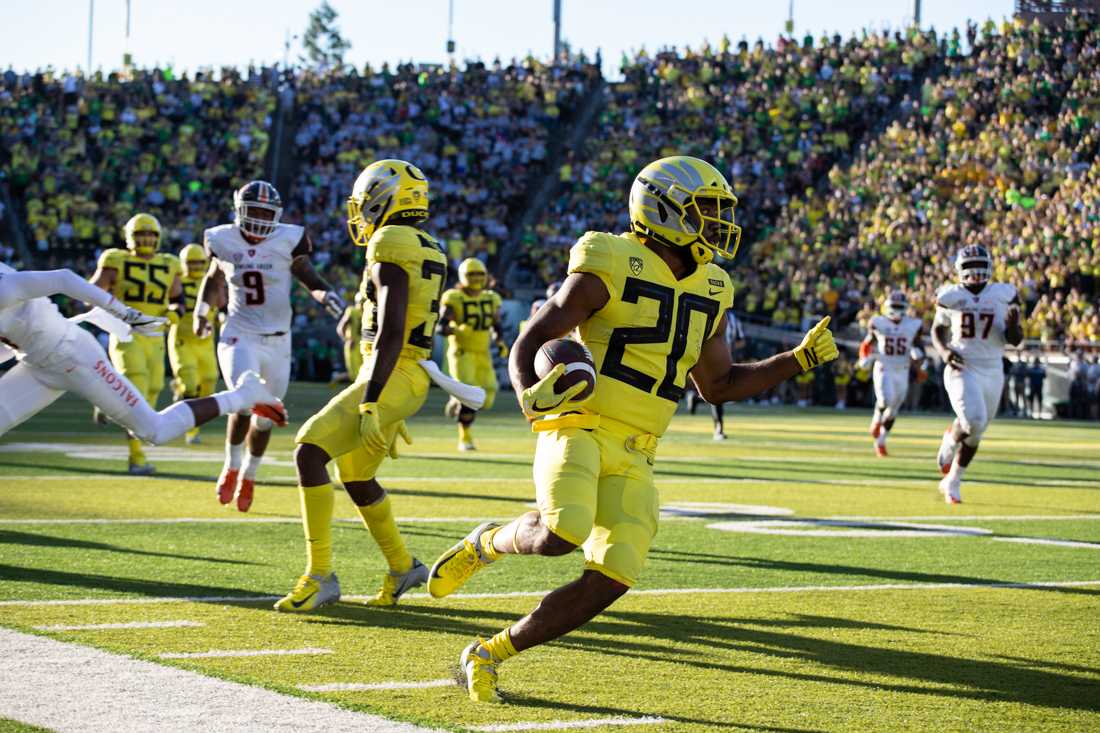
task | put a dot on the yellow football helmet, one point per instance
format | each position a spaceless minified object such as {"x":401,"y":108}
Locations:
{"x":387,"y":191}
{"x":472,"y":275}
{"x":193,"y":261}
{"x":665,"y":206}
{"x":142,"y":224}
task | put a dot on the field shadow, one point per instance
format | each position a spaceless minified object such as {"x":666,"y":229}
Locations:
{"x":77,"y":471}
{"x":28,"y":539}
{"x":138,"y":586}
{"x":398,"y":491}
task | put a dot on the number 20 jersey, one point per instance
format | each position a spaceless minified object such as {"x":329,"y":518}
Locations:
{"x":977,"y":321}
{"x":650,"y":333}
{"x":258,"y":274}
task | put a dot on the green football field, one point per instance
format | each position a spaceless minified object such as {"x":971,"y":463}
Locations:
{"x":798,"y":583}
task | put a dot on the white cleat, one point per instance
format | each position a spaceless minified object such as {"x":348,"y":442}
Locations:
{"x":949,"y":487}
{"x":257,"y":397}
{"x":719,"y":435}
{"x":466,"y":445}
{"x":946,"y":454}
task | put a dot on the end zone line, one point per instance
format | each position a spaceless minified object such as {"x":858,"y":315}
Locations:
{"x":127,"y":625}
{"x":568,"y":724}
{"x":219,"y":653}
{"x":363,"y":686}
{"x":540,"y":593}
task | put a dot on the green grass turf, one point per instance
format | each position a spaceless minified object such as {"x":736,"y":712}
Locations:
{"x":918,"y":658}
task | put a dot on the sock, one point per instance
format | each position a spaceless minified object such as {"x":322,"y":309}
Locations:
{"x":487,"y":536}
{"x":378,"y":517}
{"x":251,"y":465}
{"x":230,"y":401}
{"x":500,"y":646}
{"x":957,"y":471}
{"x":317,"y":505}
{"x":137,"y":454}
{"x":464,"y":433}
{"x":881,"y":439}
{"x":233,"y":456}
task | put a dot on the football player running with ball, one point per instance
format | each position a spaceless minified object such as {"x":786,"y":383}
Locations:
{"x":650,"y":307}
{"x":402,"y":283}
{"x":194,"y":363}
{"x":471,"y":316}
{"x":148,"y":280}
{"x":259,"y":258}
{"x":56,"y":356}
{"x":898,"y":339}
{"x":975,"y":318}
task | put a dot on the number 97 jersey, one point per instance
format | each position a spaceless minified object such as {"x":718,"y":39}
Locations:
{"x":977,"y":321}
{"x":650,"y":333}
{"x":258,"y":274}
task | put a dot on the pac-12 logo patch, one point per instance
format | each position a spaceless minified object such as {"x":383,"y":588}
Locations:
{"x":251,"y":253}
{"x":636,"y":265}
{"x":237,"y":257}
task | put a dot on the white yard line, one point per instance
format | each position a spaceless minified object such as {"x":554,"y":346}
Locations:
{"x":126,"y":625}
{"x":973,"y":518}
{"x":364,"y":686}
{"x":221,"y":653}
{"x":76,"y":689}
{"x":1044,"y":541}
{"x":237,"y":520}
{"x":568,"y":724}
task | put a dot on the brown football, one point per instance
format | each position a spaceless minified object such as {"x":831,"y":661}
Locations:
{"x":579,"y":366}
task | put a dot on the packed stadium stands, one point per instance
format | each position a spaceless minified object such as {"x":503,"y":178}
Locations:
{"x":862,"y":164}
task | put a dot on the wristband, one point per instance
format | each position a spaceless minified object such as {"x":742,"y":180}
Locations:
{"x":202,"y":309}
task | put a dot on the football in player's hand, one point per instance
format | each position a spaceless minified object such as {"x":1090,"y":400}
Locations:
{"x":579,"y":366}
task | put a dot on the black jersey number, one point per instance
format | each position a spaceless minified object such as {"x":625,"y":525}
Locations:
{"x":253,"y":282}
{"x":148,"y":287}
{"x":478,"y":314}
{"x":421,"y":334}
{"x":671,"y":314}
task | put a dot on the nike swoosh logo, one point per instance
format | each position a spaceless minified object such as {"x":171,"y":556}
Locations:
{"x":715,"y":292}
{"x":550,"y":407}
{"x":299,"y":604}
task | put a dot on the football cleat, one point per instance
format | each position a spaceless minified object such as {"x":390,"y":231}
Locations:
{"x":395,"y":585}
{"x":876,"y":428}
{"x":719,"y":435}
{"x":481,"y":673}
{"x":310,"y":593}
{"x":946,"y":455}
{"x":142,"y":469}
{"x":254,"y":390}
{"x":244,"y":494}
{"x":458,"y":564}
{"x":950,"y":489}
{"x":880,"y":450}
{"x":466,"y":445}
{"x":227,"y":485}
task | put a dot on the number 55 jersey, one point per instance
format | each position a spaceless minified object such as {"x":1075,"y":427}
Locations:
{"x":256,"y":335}
{"x":650,"y":333}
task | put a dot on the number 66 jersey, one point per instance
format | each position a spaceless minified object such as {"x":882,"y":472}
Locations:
{"x":258,"y":275}
{"x":650,"y":333}
{"x":977,"y":321}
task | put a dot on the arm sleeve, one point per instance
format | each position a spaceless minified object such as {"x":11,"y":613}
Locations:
{"x":16,"y":287}
{"x":304,"y":247}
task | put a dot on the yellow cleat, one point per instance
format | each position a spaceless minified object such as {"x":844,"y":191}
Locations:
{"x":395,"y":585}
{"x":310,"y":593}
{"x":458,"y":564}
{"x":481,"y":673}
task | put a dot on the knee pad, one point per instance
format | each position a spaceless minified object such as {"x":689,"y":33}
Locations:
{"x":262,"y":424}
{"x":466,"y":415}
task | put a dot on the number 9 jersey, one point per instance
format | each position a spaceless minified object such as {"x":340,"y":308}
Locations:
{"x":258,"y":275}
{"x":142,"y":283}
{"x":650,"y":333}
{"x":423,"y":260}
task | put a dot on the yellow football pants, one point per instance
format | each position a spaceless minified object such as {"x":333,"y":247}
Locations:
{"x":194,"y":365}
{"x":353,"y":359}
{"x":142,"y":362}
{"x":476,"y":369}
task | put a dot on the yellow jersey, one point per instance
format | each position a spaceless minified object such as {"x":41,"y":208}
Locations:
{"x":186,"y":328}
{"x":478,"y":311}
{"x":142,"y":284}
{"x":355,"y":323}
{"x":650,"y":333}
{"x":423,"y":260}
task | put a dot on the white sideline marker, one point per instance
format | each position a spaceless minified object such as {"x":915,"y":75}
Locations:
{"x":364,"y":686}
{"x":127,"y":625}
{"x":71,"y":688}
{"x":1039,"y":584}
{"x":1044,"y":541}
{"x":221,"y":653}
{"x":569,"y":724}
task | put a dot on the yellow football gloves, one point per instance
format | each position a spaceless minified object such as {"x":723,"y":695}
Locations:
{"x":403,"y":433}
{"x":817,"y":347}
{"x":502,"y":349}
{"x":540,"y":398}
{"x":370,"y":429}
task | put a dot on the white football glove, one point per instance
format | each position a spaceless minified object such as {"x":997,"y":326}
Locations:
{"x":334,"y":304}
{"x":140,"y":323}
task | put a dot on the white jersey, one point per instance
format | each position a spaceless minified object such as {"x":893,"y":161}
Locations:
{"x":258,"y":275}
{"x":977,"y":321}
{"x":894,"y":340}
{"x":33,"y":328}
